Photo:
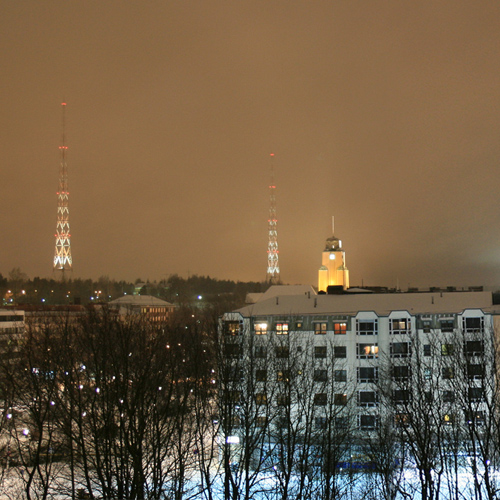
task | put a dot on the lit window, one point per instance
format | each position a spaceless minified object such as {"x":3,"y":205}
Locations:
{"x":283,"y":376}
{"x":339,"y":328}
{"x":402,"y":419}
{"x":400,"y":326}
{"x":320,"y":328}
{"x":232,"y":328}
{"x":282,"y":328}
{"x":447,"y":349}
{"x":260,"y":328}
{"x":366,"y":351}
{"x":261,"y":398}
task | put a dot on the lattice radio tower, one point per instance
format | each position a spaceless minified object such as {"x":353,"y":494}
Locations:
{"x":62,"y":256}
{"x":273,"y":268}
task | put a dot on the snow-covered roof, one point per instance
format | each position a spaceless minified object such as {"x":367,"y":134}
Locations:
{"x":275,"y":290}
{"x":140,"y":300}
{"x":380,"y":303}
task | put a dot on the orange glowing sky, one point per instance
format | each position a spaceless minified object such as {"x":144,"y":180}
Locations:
{"x":385,"y":114}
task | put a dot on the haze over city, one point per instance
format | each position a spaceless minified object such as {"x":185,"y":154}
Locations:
{"x":384,"y":114}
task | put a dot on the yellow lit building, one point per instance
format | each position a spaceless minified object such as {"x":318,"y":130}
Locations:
{"x":333,"y":271}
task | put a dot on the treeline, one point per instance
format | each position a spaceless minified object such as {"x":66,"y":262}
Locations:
{"x":111,"y":409}
{"x":17,"y":289}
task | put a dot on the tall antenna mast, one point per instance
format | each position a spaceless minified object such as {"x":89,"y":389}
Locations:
{"x":273,"y":268}
{"x":62,"y":256}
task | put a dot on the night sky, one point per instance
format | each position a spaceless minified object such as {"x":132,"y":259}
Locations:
{"x":385,"y":114}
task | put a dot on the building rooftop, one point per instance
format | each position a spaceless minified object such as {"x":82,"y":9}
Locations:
{"x":140,"y":300}
{"x":380,"y":303}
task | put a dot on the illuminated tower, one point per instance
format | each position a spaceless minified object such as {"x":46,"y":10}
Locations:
{"x":62,"y":256}
{"x":333,"y":271}
{"x":273,"y":268}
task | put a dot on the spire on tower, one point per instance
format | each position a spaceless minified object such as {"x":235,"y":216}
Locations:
{"x":62,"y":256}
{"x":273,"y":268}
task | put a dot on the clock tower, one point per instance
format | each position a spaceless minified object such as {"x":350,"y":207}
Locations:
{"x":333,"y":271}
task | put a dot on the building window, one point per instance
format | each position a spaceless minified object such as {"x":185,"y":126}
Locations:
{"x":261,"y":398}
{"x":320,"y":328}
{"x":367,"y":375}
{"x":401,"y":373}
{"x":282,"y":352}
{"x":401,"y":396}
{"x":401,"y":419}
{"x":320,"y":399}
{"x":448,"y":372}
{"x":261,"y":376}
{"x":283,"y":376}
{"x":473,"y":325}
{"x":475,"y":417}
{"x":236,"y":375}
{"x":427,"y":350}
{"x":475,"y":371}
{"x":476,"y":394}
{"x":447,"y":349}
{"x":339,"y":328}
{"x":474,"y":348}
{"x":321,"y":422}
{"x":320,"y":375}
{"x":233,"y":396}
{"x":427,"y":373}
{"x":400,"y":326}
{"x":367,"y":327}
{"x":340,"y":399}
{"x":320,"y":351}
{"x":340,"y":375}
{"x":298,"y":325}
{"x":446,"y":325}
{"x":260,"y":351}
{"x":233,"y":351}
{"x":283,"y":400}
{"x":448,"y":418}
{"x":367,"y":398}
{"x":366,"y":351}
{"x":232,"y":328}
{"x":340,"y":351}
{"x":261,"y":421}
{"x":281,"y":328}
{"x":341,"y":422}
{"x":400,"y":349}
{"x":448,"y":396}
{"x":367,"y":422}
{"x":260,"y":328}
{"x":426,"y":326}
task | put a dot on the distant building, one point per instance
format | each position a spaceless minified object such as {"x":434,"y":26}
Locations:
{"x":333,"y":271}
{"x":151,"y":308}
{"x":11,"y":333}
